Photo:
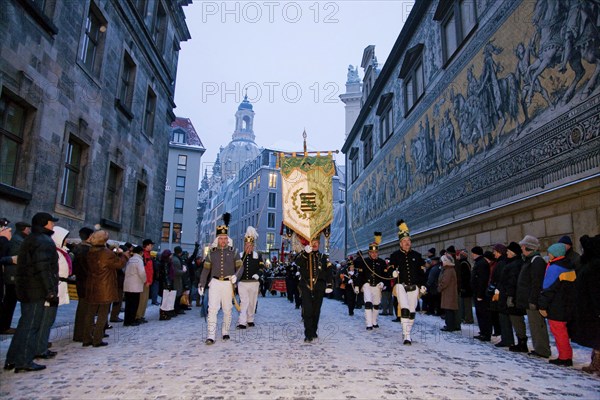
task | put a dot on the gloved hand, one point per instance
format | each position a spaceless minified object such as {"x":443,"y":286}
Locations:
{"x":395,"y":273}
{"x":350,"y":273}
{"x":307,"y":248}
{"x":201,"y":291}
{"x":233,"y":279}
{"x":423,"y":290}
{"x":255,"y":277}
{"x":50,"y":297}
{"x":380,"y":285}
{"x":298,"y":273}
{"x":184,"y":268}
{"x":356,"y":290}
{"x":510,"y":302}
{"x":328,"y":289}
{"x":532,"y":306}
{"x":350,"y":281}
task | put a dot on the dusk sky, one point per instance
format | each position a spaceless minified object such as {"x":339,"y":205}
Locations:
{"x":292,"y":57}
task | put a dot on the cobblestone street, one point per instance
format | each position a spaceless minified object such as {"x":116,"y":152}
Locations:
{"x":168,"y":359}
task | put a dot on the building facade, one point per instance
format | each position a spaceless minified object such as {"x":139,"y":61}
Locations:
{"x":180,"y":224}
{"x":87,"y":91}
{"x":481,"y":127}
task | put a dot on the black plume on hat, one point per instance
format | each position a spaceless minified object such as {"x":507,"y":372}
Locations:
{"x":226,"y":218}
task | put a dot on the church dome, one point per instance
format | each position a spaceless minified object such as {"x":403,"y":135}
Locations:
{"x":245,"y":105}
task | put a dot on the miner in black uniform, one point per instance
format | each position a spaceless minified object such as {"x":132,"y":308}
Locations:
{"x":410,"y":273}
{"x":249,"y":285}
{"x":372,"y":282}
{"x":292,"y":277}
{"x":315,"y":281}
{"x":351,"y":280}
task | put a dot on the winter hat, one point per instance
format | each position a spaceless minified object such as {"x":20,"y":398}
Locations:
{"x":447,"y":260}
{"x":565,"y":240}
{"x":477,"y":250}
{"x":451,"y":250}
{"x":530,"y":242}
{"x":431,"y":251}
{"x":500,"y":248}
{"x":99,"y":238}
{"x":557,"y":249}
{"x":489,"y":255}
{"x":515,"y":248}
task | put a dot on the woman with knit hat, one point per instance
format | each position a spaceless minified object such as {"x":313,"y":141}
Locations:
{"x":508,"y":295}
{"x":557,"y":301}
{"x":447,"y":286}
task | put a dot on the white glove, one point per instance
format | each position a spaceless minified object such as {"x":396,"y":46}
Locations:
{"x":201,"y":291}
{"x":298,"y":273}
{"x":350,"y":273}
{"x":423,"y":290}
{"x":380,"y":285}
{"x":328,"y":290}
{"x":356,"y":290}
{"x":307,"y":248}
{"x":255,"y":277}
{"x":184,"y":268}
{"x":395,"y":274}
{"x":350,"y":281}
{"x":233,"y":279}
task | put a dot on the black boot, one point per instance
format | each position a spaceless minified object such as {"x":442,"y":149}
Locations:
{"x":520,"y":347}
{"x":164,"y":316}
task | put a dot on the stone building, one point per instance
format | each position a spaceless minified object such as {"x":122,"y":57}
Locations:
{"x":179,"y":227}
{"x":87,"y":91}
{"x":481,"y":127}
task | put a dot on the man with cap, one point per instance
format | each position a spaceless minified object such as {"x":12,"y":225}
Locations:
{"x":249,"y":285}
{"x":315,"y":280}
{"x":557,"y":301}
{"x":572,"y":255}
{"x":140,"y":315}
{"x":409,"y":269}
{"x":372,"y":282}
{"x":36,"y":285}
{"x":529,"y":286}
{"x":225,"y":266}
{"x":9,"y":300}
{"x":480,"y":276}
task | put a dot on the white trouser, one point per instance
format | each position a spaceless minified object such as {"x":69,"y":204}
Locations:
{"x":248,"y":296}
{"x":407,"y":301}
{"x":372,"y":294}
{"x":220,"y":296}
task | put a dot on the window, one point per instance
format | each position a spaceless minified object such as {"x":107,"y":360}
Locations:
{"x":93,"y":41}
{"x":71,"y":174}
{"x":178,"y":205}
{"x":176,"y":233}
{"x":412,"y":74}
{"x":367,"y":139}
{"x":270,"y":241}
{"x":159,"y":29}
{"x":12,"y":127}
{"x":182,"y":162}
{"x":166,"y":230}
{"x":385,"y":114}
{"x":272,"y":200}
{"x":179,"y":136}
{"x":457,"y":19}
{"x":112,"y":199}
{"x":139,"y":216}
{"x":271,"y":220}
{"x":127,"y":82}
{"x":149,"y":112}
{"x":353,"y":157}
{"x":272,"y":180}
{"x":180,"y":184}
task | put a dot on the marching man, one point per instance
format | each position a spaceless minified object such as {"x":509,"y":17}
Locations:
{"x":249,"y":285}
{"x":315,"y":281}
{"x":225,"y":266}
{"x":372,"y":282}
{"x":409,"y":269}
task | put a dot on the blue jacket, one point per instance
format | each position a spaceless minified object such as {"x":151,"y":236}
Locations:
{"x":558,"y":296}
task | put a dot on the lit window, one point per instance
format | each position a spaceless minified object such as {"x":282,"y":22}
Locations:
{"x":182,"y":162}
{"x":272,"y":180}
{"x":177,"y":233}
{"x":166,"y":230}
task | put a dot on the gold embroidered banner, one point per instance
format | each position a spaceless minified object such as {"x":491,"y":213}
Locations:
{"x":307,"y":193}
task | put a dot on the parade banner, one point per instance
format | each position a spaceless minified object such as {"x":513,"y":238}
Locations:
{"x":307,"y":193}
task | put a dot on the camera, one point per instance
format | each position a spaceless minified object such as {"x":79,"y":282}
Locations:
{"x":4,"y":222}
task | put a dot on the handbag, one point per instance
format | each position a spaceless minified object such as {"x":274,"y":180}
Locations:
{"x":185,"y":300}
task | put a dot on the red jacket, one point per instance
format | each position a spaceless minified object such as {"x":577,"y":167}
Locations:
{"x":149,"y":267}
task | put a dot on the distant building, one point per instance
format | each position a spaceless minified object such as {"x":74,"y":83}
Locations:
{"x":180,"y":226}
{"x":86,"y":100}
{"x":481,"y":127}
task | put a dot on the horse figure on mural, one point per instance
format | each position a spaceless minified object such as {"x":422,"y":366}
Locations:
{"x":470,"y":119}
{"x":424,"y":152}
{"x":566,"y":32}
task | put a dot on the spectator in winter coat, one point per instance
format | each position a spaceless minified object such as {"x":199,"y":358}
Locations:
{"x":80,"y":269}
{"x":508,"y":297}
{"x":465,"y":298}
{"x":480,"y":276}
{"x":529,"y":287}
{"x":497,"y":305}
{"x":572,"y":255}
{"x":557,"y":301}
{"x":9,"y":299}
{"x":587,"y":315}
{"x":133,"y":285}
{"x":433,"y":276}
{"x":448,"y":289}
{"x":140,"y":315}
